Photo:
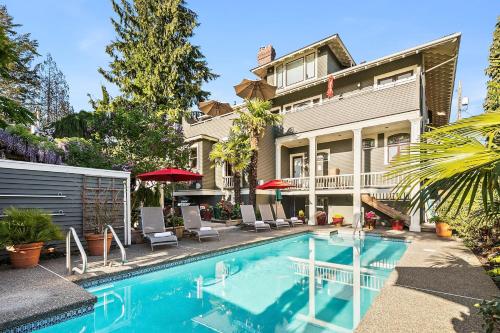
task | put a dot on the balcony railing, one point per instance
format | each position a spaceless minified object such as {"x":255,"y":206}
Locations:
{"x":301,"y":183}
{"x":379,"y":179}
{"x":228,"y":182}
{"x":335,"y":181}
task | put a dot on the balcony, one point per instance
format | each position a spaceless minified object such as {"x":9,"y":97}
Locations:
{"x":345,"y":181}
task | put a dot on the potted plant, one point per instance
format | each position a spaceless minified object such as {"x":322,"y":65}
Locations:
{"x":178,"y":225}
{"x":397,"y":223}
{"x":206,"y":212}
{"x":371,"y":220}
{"x":102,"y":216}
{"x":442,"y":227}
{"x":320,"y":217}
{"x":23,"y":233}
{"x":301,"y":215}
{"x":337,"y":220}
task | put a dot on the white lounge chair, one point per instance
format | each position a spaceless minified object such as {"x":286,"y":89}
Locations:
{"x":192,"y":223}
{"x":267,"y":217}
{"x":249,"y":220}
{"x":280,"y":215}
{"x":153,"y":227}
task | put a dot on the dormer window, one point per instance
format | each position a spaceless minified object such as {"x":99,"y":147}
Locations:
{"x":393,"y":78}
{"x":296,"y":71}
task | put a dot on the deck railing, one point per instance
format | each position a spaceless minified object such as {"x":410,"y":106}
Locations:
{"x":335,"y":182}
{"x":301,"y":183}
{"x":379,"y":179}
{"x":228,"y":182}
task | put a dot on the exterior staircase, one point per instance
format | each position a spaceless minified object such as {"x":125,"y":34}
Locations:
{"x":383,"y":208}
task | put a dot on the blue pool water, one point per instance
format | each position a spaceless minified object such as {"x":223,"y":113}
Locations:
{"x":301,"y":284}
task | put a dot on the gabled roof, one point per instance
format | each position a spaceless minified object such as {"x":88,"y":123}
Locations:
{"x":334,"y":42}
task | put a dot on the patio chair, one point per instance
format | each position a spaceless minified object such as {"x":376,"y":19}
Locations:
{"x":280,"y":215}
{"x":153,"y":227}
{"x":192,"y":223}
{"x":267,"y":216}
{"x":249,"y":220}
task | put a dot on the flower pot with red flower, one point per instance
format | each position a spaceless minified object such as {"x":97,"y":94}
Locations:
{"x":320,"y":218}
{"x":397,"y":223}
{"x":371,"y":220}
{"x":337,"y":220}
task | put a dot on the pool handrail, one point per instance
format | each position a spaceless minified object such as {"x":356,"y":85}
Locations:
{"x":72,"y":232}
{"x":120,"y":245}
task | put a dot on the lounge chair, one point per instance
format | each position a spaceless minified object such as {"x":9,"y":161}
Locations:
{"x":280,"y":215}
{"x":153,"y":227}
{"x":249,"y":220}
{"x":267,"y":216}
{"x":192,"y":223}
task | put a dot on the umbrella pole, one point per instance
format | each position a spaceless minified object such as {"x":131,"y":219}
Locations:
{"x":173,"y":199}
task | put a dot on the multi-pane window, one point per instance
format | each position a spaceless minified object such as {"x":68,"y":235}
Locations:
{"x":395,"y":144}
{"x":295,"y":71}
{"x":368,"y":143}
{"x":310,"y":73}
{"x":395,"y":78}
{"x":279,"y":76}
{"x":193,"y":158}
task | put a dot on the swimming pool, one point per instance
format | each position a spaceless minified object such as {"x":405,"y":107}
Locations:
{"x":307,"y":283}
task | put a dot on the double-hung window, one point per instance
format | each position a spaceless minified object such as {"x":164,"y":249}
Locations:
{"x":295,"y":71}
{"x":279,"y":76}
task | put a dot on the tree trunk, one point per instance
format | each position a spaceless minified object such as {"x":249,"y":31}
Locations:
{"x":252,"y":178}
{"x":237,"y":187}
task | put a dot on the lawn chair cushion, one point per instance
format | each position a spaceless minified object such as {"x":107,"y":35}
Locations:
{"x":163,"y":234}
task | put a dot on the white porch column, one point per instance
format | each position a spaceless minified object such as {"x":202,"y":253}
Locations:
{"x":312,"y":180}
{"x":278,"y":160}
{"x":415,"y":130}
{"x":356,"y":196}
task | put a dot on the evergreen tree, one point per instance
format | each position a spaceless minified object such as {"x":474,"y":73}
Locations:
{"x":20,"y":81}
{"x":492,"y":102}
{"x":53,"y":96}
{"x":153,"y":61}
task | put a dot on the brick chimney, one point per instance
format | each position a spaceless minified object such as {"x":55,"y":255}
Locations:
{"x":265,"y":55}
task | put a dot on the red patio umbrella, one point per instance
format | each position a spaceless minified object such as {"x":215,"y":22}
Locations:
{"x":275,"y":184}
{"x":170,"y":175}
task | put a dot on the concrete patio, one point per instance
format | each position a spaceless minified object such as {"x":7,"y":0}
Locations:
{"x":433,"y":288}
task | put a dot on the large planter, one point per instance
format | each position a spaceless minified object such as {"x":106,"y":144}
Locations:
{"x":397,"y":224}
{"x":25,"y":255}
{"x":320,"y":218}
{"x":443,"y":229}
{"x":337,"y":221}
{"x":179,"y":231}
{"x":95,"y":243}
{"x":136,"y":237}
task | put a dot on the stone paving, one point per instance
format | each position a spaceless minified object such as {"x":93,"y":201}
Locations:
{"x":433,"y":288}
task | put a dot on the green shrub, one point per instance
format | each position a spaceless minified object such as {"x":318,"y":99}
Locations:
{"x":490,"y":310}
{"x":24,"y":226}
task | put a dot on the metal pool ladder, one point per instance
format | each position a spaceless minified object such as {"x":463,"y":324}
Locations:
{"x":72,"y":232}
{"x":120,"y":245}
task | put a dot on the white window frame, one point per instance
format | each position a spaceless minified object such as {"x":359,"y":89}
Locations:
{"x":302,"y":100}
{"x":303,"y":171}
{"x":322,"y":151}
{"x":283,"y":64}
{"x":278,"y":108}
{"x":389,"y":74}
{"x":195,"y":146}
{"x":386,"y":144}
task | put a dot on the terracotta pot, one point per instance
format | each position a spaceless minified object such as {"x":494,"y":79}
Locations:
{"x":179,"y":231}
{"x":95,"y":243}
{"x":397,"y":225}
{"x":25,"y":255}
{"x":337,"y":221}
{"x":136,"y":237}
{"x":370,"y":223}
{"x":443,"y":229}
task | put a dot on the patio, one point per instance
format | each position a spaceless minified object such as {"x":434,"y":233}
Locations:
{"x":433,"y":288}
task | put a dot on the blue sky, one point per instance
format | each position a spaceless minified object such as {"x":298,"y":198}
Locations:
{"x":76,"y":32}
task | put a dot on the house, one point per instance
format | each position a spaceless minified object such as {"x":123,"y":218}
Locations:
{"x":377,"y":108}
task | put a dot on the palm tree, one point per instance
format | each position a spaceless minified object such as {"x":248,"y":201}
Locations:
{"x":234,"y":151}
{"x":253,"y":120}
{"x":459,"y":161}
